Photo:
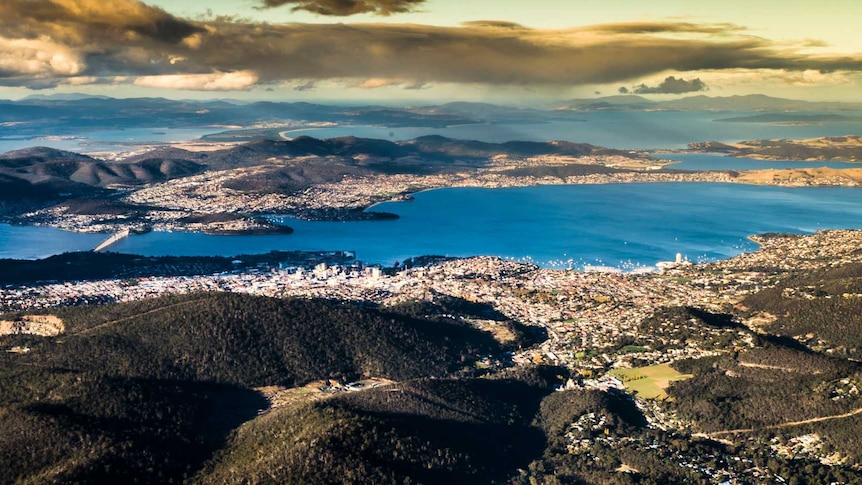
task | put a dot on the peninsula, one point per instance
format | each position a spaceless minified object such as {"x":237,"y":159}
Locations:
{"x":838,"y":148}
{"x":228,"y":190}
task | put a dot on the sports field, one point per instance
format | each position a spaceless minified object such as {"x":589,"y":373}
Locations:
{"x":649,"y":382}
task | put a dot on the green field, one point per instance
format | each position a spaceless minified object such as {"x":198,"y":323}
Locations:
{"x":649,"y":382}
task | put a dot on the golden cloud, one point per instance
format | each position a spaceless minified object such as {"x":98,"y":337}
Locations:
{"x":38,"y":58}
{"x":228,"y":81}
{"x":129,"y":39}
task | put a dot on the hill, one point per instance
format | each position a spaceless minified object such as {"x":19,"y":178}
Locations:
{"x":145,"y":392}
{"x":40,"y":164}
{"x":427,"y":431}
{"x":839,"y":148}
{"x":809,"y":306}
{"x":311,"y":160}
{"x":257,"y":341}
{"x":52,"y":180}
{"x":791,"y":118}
{"x":751,"y":102}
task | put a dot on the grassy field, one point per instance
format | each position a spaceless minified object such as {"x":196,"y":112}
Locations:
{"x":649,"y":382}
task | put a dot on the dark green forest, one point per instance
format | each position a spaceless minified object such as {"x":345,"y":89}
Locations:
{"x":163,"y":391}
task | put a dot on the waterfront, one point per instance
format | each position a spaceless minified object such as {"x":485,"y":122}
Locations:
{"x":617,"y":225}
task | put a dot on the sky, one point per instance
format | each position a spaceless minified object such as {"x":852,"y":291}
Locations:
{"x":404,"y":51}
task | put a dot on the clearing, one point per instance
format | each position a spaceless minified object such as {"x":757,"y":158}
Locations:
{"x":649,"y":382}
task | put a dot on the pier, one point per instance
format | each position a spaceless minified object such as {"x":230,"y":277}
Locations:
{"x":112,"y":240}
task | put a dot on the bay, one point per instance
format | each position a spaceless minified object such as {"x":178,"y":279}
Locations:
{"x":618,"y":225}
{"x":32,"y":242}
{"x":121,"y":140}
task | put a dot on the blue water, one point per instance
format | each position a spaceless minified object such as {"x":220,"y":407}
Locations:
{"x":713,"y":161}
{"x":621,"y":225}
{"x":613,"y":129}
{"x":107,"y":140}
{"x":30,"y":242}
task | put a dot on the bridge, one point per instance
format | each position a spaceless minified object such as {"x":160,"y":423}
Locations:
{"x":116,"y":237}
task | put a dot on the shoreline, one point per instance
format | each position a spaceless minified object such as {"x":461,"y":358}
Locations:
{"x":362,"y":210}
{"x":644,"y":265}
{"x":631,"y":269}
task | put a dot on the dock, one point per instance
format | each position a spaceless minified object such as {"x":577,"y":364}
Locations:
{"x":116,"y":237}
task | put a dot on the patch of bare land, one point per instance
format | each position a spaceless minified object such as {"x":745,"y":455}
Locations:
{"x":833,"y":148}
{"x":280,"y":396}
{"x":848,"y":177}
{"x":42,"y":325}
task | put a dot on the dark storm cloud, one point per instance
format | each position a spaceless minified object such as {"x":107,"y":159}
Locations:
{"x":672,"y":85}
{"x":499,"y":24}
{"x":48,"y":41}
{"x":79,"y":21}
{"x":473,"y":54}
{"x":344,"y":8}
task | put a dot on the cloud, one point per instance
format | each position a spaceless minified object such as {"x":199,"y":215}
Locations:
{"x":664,"y":27}
{"x":305,"y":86}
{"x":376,"y":83}
{"x":672,"y":85}
{"x":498,"y":56}
{"x":38,"y":58}
{"x":496,"y":24}
{"x":45,"y":41}
{"x":229,"y":81}
{"x":344,"y":8}
{"x":777,"y":77}
{"x":83,"y":21}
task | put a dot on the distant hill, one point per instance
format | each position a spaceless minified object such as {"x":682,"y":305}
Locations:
{"x":42,"y":164}
{"x":344,"y":156}
{"x":840,"y":148}
{"x":39,"y":177}
{"x":751,"y":102}
{"x":73,"y":114}
{"x":621,"y":102}
{"x":790,"y":118}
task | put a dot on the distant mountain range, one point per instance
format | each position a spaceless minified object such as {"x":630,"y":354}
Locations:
{"x":752,"y":102}
{"x":72,"y":114}
{"x":40,"y":176}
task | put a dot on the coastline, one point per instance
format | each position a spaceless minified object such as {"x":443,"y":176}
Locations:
{"x":355,"y":199}
{"x":629,"y":263}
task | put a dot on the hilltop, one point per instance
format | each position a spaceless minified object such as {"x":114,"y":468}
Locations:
{"x":256,"y":341}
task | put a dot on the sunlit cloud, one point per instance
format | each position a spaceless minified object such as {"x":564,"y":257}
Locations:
{"x":229,"y":81}
{"x":38,"y":58}
{"x":43,"y":42}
